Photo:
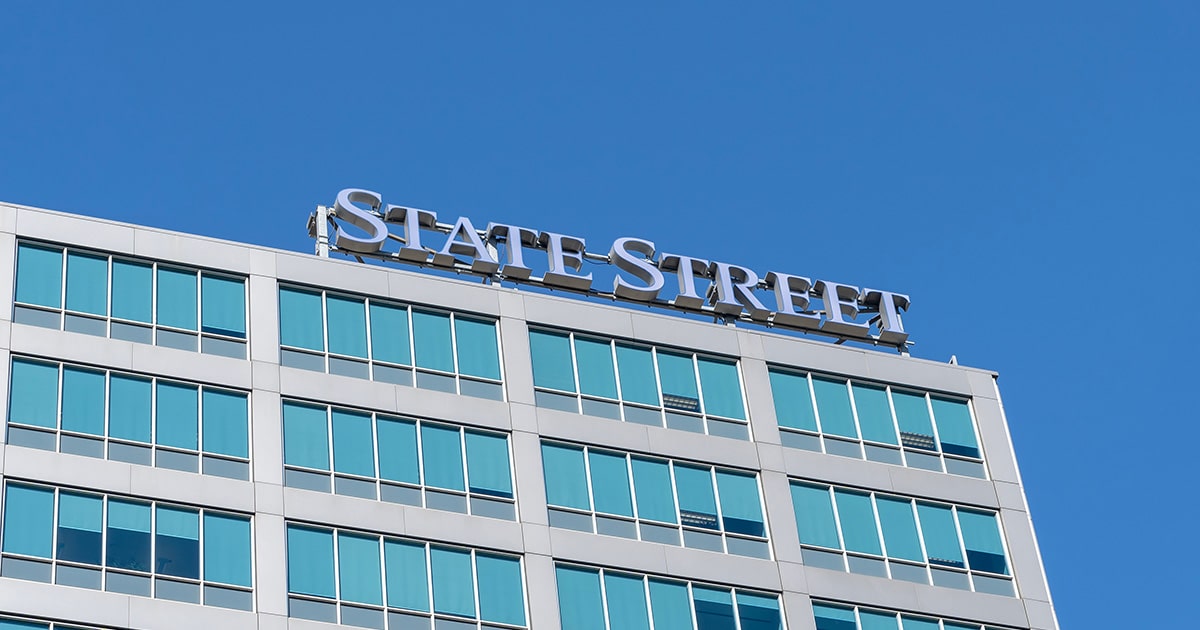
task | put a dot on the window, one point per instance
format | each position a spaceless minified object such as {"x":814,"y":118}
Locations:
{"x":901,"y":538}
{"x":638,"y":383}
{"x":131,"y":299}
{"x":10,"y":622}
{"x":605,"y":599}
{"x":400,"y":460}
{"x":374,"y":581}
{"x":833,"y":616}
{"x":882,"y":423}
{"x":653,"y":499}
{"x":129,"y":417}
{"x":389,"y":342}
{"x":125,"y":545}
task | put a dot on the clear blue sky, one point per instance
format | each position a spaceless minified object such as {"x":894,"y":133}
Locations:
{"x":1027,"y":172}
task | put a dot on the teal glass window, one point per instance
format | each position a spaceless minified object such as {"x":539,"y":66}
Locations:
{"x":874,"y":413}
{"x":597,"y":375}
{"x":177,"y":298}
{"x":610,"y":483}
{"x":443,"y":460}
{"x":83,"y":401}
{"x":431,"y":336}
{"x":127,"y":536}
{"x":793,"y":400}
{"x":225,"y":423}
{"x":305,"y":436}
{"x":501,"y":596}
{"x":227,"y":550}
{"x":310,"y":561}
{"x":638,"y":383}
{"x":407,"y":581}
{"x":397,"y":441}
{"x":834,"y":617}
{"x":347,"y":325}
{"x":132,"y":290}
{"x":33,"y":393}
{"x":359,"y":569}
{"x":833,"y":407}
{"x":478,"y":352}
{"x":626,"y":599}
{"x":566,"y":479}
{"x":722,"y":390}
{"x":872,"y":620}
{"x":580,"y":605}
{"x":941,"y":536}
{"x":713,"y":607}
{"x":80,"y":527}
{"x":652,"y":486}
{"x":912,"y":413}
{"x":914,"y":623}
{"x":899,"y":529}
{"x":981,"y":537}
{"x":487,"y":464}
{"x":176,"y":541}
{"x":176,"y":415}
{"x":697,"y":503}
{"x":551,"y":355}
{"x":678,"y":376}
{"x":670,"y":604}
{"x":14,"y":624}
{"x":353,"y":446}
{"x":453,"y":591}
{"x":301,"y":323}
{"x":858,"y":522}
{"x":389,"y":334}
{"x":39,"y":275}
{"x":759,"y":612}
{"x":814,"y":516}
{"x":740,"y":507}
{"x":28,"y":520}
{"x":222,"y":305}
{"x":87,"y":283}
{"x":956,"y":431}
{"x":130,"y":409}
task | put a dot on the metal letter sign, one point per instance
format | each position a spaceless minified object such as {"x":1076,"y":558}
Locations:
{"x":363,"y":227}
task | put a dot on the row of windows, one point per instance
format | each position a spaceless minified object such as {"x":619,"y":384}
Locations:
{"x":604,"y":599}
{"x":389,"y":342}
{"x":130,"y":299}
{"x":373,"y":581}
{"x":637,"y":383}
{"x":879,"y":422}
{"x":830,"y":616}
{"x":128,"y":417}
{"x":126,"y":545}
{"x":654,"y":499}
{"x":401,"y":460}
{"x":25,"y":623}
{"x":900,"y":538}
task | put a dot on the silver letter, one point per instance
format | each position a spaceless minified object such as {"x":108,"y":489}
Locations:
{"x":514,"y":238}
{"x":469,"y":245}
{"x":344,"y":208}
{"x":413,"y":220}
{"x":841,"y":301}
{"x":891,"y":328}
{"x":565,"y":253}
{"x":734,"y":288}
{"x":623,"y":256}
{"x":791,"y":296}
{"x":686,"y":269}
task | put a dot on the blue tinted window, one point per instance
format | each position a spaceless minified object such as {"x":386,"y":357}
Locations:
{"x":912,"y":623}
{"x":443,"y":462}
{"x":389,"y":334}
{"x":128,"y":539}
{"x":33,"y":395}
{"x":176,"y":415}
{"x":626,"y":599}
{"x":353,"y":446}
{"x":223,"y":305}
{"x":13,"y":624}
{"x":305,"y":436}
{"x":132,"y":290}
{"x":300,"y":319}
{"x":407,"y":585}
{"x":501,"y":596}
{"x":566,"y":479}
{"x":579,"y":604}
{"x":551,"y":355}
{"x":955,"y":429}
{"x":912,"y":413}
{"x":129,"y":407}
{"x":981,"y":537}
{"x":610,"y":483}
{"x":80,"y":524}
{"x":722,"y":391}
{"x":347,"y":325}
{"x":177,"y":542}
{"x":637,"y":374}
{"x":310,"y":561}
{"x":487,"y":464}
{"x":858,"y":522}
{"x":740,"y":507}
{"x":397,"y":450}
{"x":227,"y":549}
{"x":83,"y":401}
{"x":652,"y":486}
{"x":28,"y":520}
{"x":177,"y":298}
{"x":87,"y":283}
{"x":225,"y":423}
{"x":877,"y":620}
{"x":453,"y":587}
{"x":834,"y":617}
{"x":793,"y":401}
{"x":597,"y":377}
{"x":941,"y":536}
{"x":431,"y":335}
{"x":358,"y":569}
{"x":678,"y":377}
{"x":478,"y":354}
{"x":833,"y":406}
{"x":759,"y":612}
{"x":39,"y":275}
{"x":697,"y":504}
{"x":814,"y":516}
{"x":874,"y":413}
{"x":899,"y":529}
{"x":671,"y":606}
{"x":714,"y":608}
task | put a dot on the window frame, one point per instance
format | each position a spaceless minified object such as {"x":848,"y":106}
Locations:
{"x":857,"y":611}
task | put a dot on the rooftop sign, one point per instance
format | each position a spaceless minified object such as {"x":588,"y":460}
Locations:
{"x":365,"y":226}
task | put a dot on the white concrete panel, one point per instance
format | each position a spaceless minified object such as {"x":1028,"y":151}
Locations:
{"x":703,"y":448}
{"x":861,"y":589}
{"x":1017,"y":530}
{"x":670,"y":330}
{"x":760,"y":400}
{"x":531,"y":489}
{"x":935,"y":485}
{"x":8,"y":261}
{"x":202,"y":490}
{"x":192,"y":366}
{"x":8,"y":219}
{"x":793,"y":577}
{"x":607,"y":551}
{"x":263,"y":306}
{"x":270,"y":564}
{"x":454,"y":294}
{"x":1011,"y":496}
{"x":45,"y":600}
{"x":578,"y":315}
{"x":983,"y":607}
{"x":710,"y":566}
{"x":193,"y":251}
{"x":77,"y":347}
{"x":781,"y":516}
{"x":994,"y":442}
{"x":77,"y":230}
{"x":541,"y":592}
{"x":266,"y":437}
{"x":837,"y":470}
{"x":265,"y":376}
{"x":518,"y":364}
{"x":574,"y":427}
{"x":158,"y":613}
{"x":341,"y":390}
{"x":797,"y":612}
{"x":68,"y":470}
{"x":331,"y":273}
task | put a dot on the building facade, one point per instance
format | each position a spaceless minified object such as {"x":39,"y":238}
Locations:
{"x":206,"y":434}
